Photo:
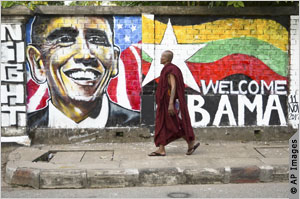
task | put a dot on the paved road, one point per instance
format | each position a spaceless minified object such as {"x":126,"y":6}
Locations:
{"x":255,"y":190}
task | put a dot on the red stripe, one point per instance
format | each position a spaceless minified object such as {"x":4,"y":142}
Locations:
{"x":31,"y":89}
{"x":145,"y":67}
{"x":136,"y":100}
{"x":133,"y":85}
{"x":43,"y":102}
{"x":233,"y":64}
{"x":112,"y":89}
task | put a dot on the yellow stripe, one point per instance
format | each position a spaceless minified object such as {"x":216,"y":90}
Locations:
{"x":263,"y":29}
{"x":148,"y":30}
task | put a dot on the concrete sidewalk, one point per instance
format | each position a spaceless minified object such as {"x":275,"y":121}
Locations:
{"x":128,"y":164}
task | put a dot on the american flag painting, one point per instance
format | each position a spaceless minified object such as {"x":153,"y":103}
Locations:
{"x":123,"y":89}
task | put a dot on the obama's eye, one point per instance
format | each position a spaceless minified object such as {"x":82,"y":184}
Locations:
{"x":65,"y":40}
{"x":97,"y":37}
{"x":64,"y":36}
{"x":98,"y":40}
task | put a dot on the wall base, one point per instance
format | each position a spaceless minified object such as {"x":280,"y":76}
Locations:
{"x":143,"y":134}
{"x":270,"y":133}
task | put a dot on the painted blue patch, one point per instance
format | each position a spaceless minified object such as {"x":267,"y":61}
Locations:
{"x":127,"y":30}
{"x":28,"y":36}
{"x":28,"y":30}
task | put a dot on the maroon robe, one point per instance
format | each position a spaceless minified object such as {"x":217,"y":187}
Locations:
{"x":169,"y":128}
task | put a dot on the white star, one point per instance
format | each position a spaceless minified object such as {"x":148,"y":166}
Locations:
{"x":120,"y":26}
{"x":182,"y":52}
{"x":133,"y":28}
{"x":127,"y":38}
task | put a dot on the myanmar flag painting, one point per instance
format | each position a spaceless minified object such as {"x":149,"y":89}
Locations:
{"x":235,"y":69}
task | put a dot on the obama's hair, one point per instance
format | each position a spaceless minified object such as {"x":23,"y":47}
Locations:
{"x":41,"y":22}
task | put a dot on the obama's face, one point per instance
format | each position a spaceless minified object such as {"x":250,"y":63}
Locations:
{"x":77,"y":58}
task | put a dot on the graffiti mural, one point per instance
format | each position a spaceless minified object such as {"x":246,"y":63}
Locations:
{"x":95,"y":71}
{"x":13,"y":108}
{"x":84,"y":71}
{"x":235,"y":69}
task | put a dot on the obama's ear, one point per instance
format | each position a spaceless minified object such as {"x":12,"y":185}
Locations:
{"x":115,"y":64}
{"x":37,"y":67}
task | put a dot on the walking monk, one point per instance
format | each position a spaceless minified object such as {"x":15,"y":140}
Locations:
{"x":172,"y":117}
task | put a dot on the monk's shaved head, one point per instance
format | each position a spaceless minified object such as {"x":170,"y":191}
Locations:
{"x":166,"y":57}
{"x":169,"y":55}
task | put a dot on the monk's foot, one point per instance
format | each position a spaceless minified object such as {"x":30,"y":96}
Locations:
{"x":191,"y":150}
{"x":191,"y":144}
{"x":157,"y":153}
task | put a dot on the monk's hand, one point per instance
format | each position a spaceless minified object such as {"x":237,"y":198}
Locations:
{"x":171,"y":109}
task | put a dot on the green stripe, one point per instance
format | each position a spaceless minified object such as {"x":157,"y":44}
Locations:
{"x":146,"y":57}
{"x":272,"y":56}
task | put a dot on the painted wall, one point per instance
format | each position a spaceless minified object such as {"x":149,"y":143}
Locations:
{"x":13,"y":90}
{"x":98,"y":72}
{"x":236,"y":69}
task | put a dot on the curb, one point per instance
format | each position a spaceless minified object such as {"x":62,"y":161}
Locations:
{"x":116,"y":178}
{"x":115,"y":167}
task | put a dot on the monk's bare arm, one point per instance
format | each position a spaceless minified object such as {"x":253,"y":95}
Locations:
{"x":172,"y":83}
